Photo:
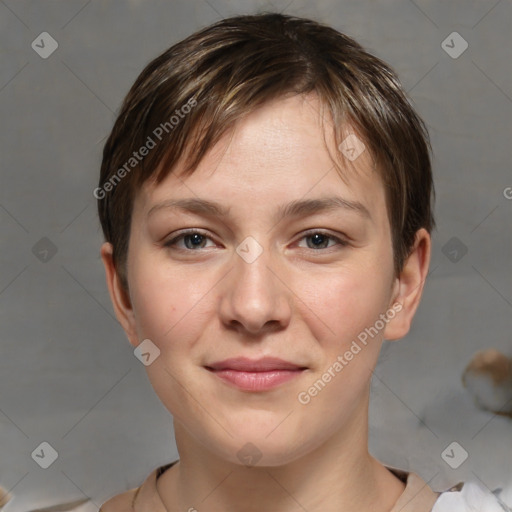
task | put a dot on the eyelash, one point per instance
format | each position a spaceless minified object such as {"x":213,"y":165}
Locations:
{"x":183,"y":234}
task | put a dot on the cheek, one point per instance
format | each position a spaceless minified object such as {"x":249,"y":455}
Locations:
{"x":345,"y":307}
{"x":166,"y":303}
{"x":341,"y":305}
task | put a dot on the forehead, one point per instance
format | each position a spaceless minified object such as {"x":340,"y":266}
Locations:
{"x":283,"y":151}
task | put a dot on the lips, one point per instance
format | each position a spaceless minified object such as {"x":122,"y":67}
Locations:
{"x":255,"y":374}
{"x":244,"y":364}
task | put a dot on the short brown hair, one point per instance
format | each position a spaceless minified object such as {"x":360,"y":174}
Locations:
{"x":227,"y":70}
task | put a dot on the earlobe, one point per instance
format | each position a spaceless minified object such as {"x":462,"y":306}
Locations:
{"x":408,"y":287}
{"x":118,"y":295}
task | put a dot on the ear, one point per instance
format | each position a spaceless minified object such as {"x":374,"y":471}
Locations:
{"x":408,"y":287}
{"x":118,"y":295}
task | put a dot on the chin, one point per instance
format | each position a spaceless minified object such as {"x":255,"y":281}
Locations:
{"x":261,"y":453}
{"x":255,"y":446}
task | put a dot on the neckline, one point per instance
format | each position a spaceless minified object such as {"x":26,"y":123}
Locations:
{"x":416,"y":492}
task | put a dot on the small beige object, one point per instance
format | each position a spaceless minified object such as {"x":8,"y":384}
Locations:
{"x":4,"y":497}
{"x":488,"y":377}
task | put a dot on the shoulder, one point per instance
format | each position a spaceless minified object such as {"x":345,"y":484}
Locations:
{"x":468,"y":497}
{"x":121,"y":503}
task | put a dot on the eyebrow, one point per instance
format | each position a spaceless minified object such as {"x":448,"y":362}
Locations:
{"x":298,"y":208}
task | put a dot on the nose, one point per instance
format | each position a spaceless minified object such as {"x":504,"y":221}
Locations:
{"x":255,"y":296}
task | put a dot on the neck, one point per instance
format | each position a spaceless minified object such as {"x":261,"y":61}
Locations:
{"x":339,"y":474}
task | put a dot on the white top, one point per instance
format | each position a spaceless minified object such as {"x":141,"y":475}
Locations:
{"x":473,"y":497}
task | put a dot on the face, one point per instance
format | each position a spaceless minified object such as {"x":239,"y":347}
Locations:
{"x":268,"y":307}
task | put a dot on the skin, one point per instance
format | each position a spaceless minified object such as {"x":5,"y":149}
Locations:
{"x":200,"y":302}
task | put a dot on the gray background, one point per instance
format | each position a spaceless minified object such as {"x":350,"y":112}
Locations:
{"x":68,"y":375}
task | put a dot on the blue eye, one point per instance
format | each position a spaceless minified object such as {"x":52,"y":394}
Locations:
{"x":195,"y":239}
{"x":320,"y":237}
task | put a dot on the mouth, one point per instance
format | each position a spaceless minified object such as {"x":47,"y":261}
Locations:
{"x":255,"y":374}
